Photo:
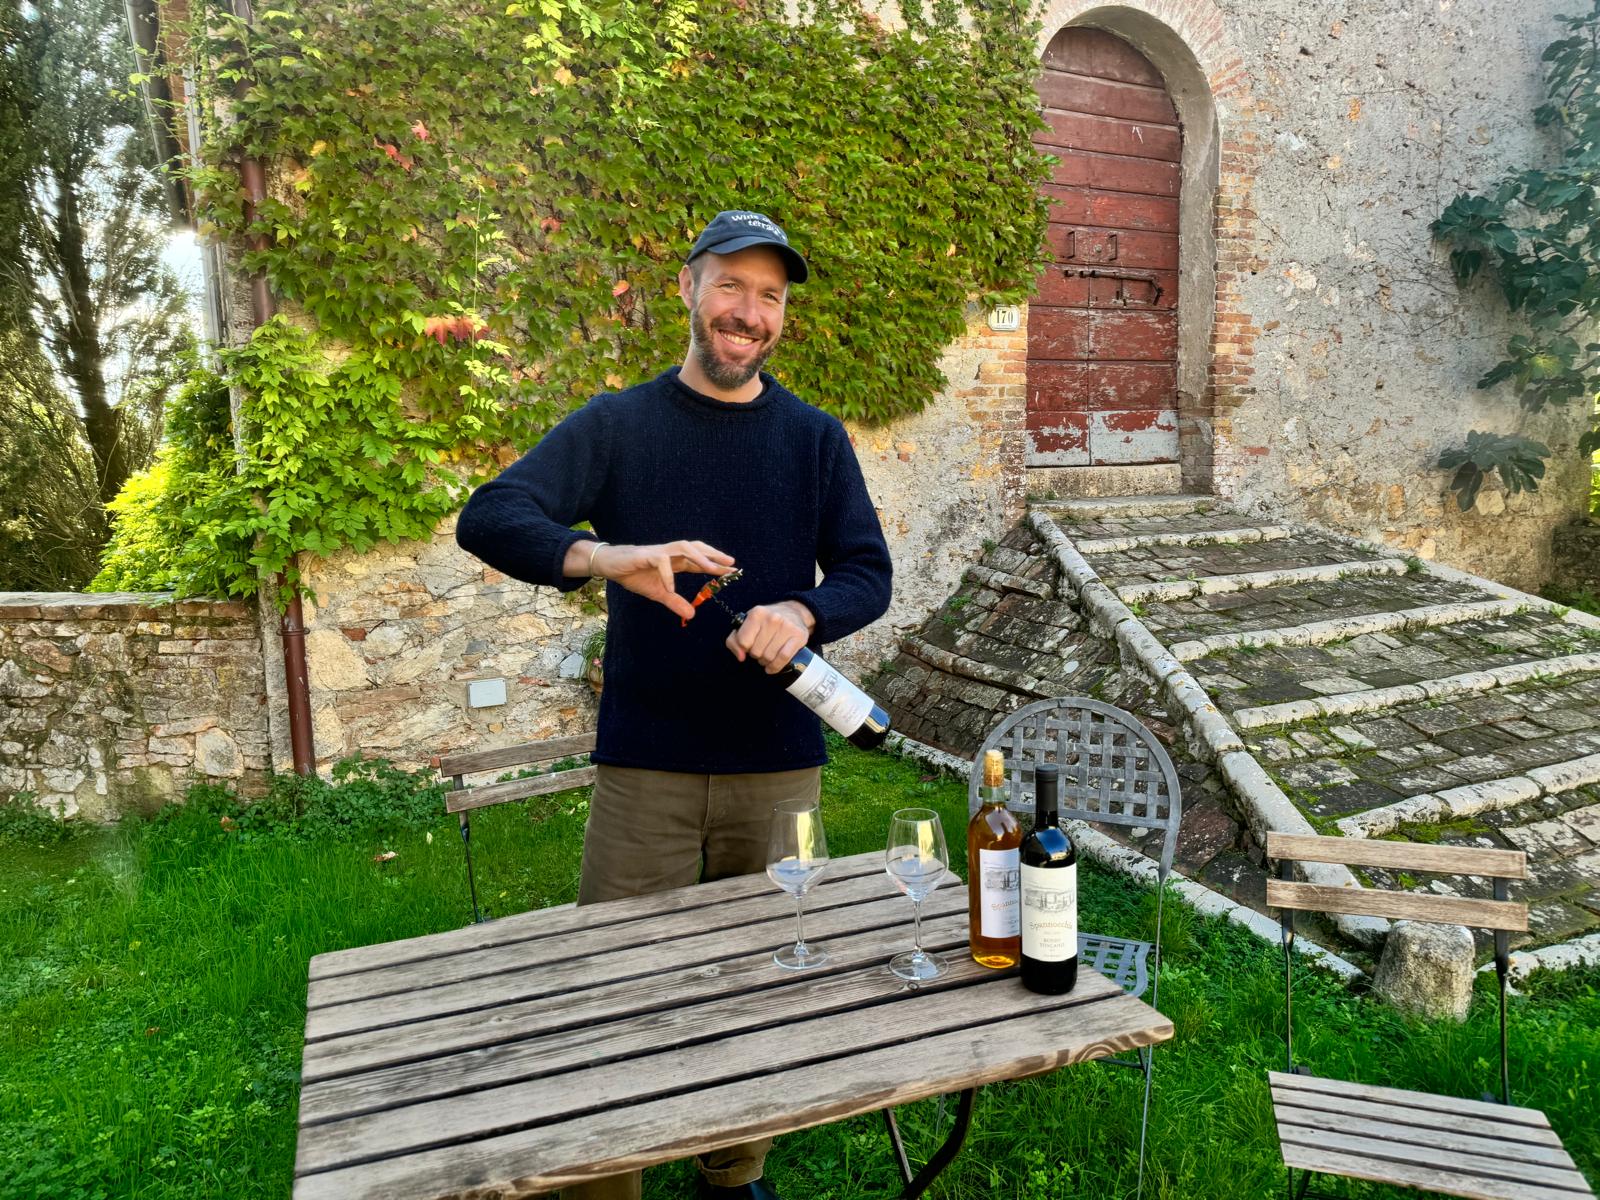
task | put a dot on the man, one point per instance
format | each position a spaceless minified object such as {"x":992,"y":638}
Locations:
{"x":709,"y":466}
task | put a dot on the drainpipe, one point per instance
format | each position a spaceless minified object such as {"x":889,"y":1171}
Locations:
{"x":292,"y":628}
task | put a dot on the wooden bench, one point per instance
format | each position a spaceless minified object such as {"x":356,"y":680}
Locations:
{"x":1470,"y":1148}
{"x":462,"y":800}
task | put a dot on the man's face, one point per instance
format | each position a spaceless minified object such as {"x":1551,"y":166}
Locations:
{"x":736,"y":304}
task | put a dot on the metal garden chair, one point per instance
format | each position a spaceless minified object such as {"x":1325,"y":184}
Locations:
{"x":1113,"y":772}
{"x":1442,"y":1144}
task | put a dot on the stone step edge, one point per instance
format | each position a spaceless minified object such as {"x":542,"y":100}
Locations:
{"x":1266,"y":808}
{"x":1241,"y":536}
{"x":1320,"y":633}
{"x":1563,"y":956}
{"x":1087,"y":508}
{"x":1371,"y":700}
{"x":1573,"y":616}
{"x":1113,"y":855}
{"x":1005,"y":581}
{"x":1471,"y":799}
{"x":1250,"y":581}
{"x":979,"y":672}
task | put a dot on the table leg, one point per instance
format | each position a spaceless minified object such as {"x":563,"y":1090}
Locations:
{"x":942,"y":1158}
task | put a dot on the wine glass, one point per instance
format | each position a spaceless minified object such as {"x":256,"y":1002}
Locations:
{"x":797,"y":851}
{"x":916,"y":860}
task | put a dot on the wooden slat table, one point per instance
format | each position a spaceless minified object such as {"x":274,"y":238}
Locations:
{"x":539,"y":1050}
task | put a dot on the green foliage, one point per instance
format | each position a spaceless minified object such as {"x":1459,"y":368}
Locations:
{"x":1538,"y":236}
{"x":483,"y":210}
{"x":365,"y":798}
{"x":23,"y":822}
{"x":1519,"y":461}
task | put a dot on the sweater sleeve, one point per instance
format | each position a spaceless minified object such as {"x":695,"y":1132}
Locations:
{"x":520,"y":521}
{"x":856,"y":568}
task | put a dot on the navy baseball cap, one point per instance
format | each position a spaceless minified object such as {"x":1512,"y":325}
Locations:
{"x":734,"y":229}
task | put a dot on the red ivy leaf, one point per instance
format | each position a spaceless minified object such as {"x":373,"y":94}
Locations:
{"x":394,"y":154}
{"x":622,"y":286}
{"x":550,"y":225}
{"x":421,"y":131}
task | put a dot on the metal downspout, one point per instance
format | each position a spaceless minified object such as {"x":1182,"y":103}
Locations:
{"x":292,"y":629}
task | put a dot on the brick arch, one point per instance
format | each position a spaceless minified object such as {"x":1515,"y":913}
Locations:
{"x":1207,"y":80}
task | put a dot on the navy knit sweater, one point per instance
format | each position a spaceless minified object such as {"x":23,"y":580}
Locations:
{"x":773,"y":482}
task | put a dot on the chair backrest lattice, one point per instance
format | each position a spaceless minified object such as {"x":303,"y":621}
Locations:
{"x":1113,"y":770}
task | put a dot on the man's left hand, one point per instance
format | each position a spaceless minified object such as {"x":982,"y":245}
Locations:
{"x":772,"y":634}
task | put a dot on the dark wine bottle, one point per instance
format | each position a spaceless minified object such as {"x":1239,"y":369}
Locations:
{"x":809,"y":679}
{"x":1049,"y":894}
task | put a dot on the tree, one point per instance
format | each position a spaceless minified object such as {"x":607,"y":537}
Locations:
{"x":82,"y":227}
{"x":51,"y":519}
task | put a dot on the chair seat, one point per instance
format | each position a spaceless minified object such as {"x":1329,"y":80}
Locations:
{"x":1465,"y":1148}
{"x":1121,"y":960}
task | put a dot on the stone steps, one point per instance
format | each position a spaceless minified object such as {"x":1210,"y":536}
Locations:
{"x":1375,"y":696}
{"x":1327,"y":685}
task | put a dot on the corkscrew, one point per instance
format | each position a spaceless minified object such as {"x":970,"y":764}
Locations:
{"x":713,"y":586}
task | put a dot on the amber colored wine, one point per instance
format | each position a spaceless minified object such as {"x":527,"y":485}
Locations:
{"x":994,"y":882}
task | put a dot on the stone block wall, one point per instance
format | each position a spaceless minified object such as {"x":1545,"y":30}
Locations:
{"x":1577,"y":558}
{"x":395,"y":636}
{"x":115,"y":702}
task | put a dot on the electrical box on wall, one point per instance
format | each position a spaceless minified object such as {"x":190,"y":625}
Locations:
{"x":486,"y":693}
{"x":1005,"y":318}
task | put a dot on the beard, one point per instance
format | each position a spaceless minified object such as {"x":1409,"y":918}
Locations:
{"x":729,"y":376}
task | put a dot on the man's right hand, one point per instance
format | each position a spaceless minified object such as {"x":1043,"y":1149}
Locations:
{"x":649,"y":570}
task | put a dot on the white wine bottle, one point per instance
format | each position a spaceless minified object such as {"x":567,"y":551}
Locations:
{"x":809,"y":679}
{"x":993,"y":835}
{"x":1049,"y":894}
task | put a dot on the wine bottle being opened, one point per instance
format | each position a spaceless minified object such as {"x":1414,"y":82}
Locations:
{"x":1049,"y":894}
{"x":822,"y":689}
{"x":994,"y":910}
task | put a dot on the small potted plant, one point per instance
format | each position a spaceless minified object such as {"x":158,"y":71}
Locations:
{"x":594,"y":653}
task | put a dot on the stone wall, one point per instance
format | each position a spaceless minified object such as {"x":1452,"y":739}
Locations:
{"x":396,"y":635}
{"x":118,"y":701}
{"x":1577,"y":558}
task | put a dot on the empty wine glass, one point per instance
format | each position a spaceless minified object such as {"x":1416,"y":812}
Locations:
{"x":797,"y":850}
{"x":916,"y":860}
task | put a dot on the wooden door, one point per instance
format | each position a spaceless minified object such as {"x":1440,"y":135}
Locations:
{"x":1103,"y":325}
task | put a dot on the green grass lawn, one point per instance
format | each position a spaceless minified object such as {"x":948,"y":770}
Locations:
{"x":153,"y":977}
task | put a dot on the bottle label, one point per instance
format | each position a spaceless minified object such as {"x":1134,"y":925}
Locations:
{"x":831,"y":696}
{"x":1050,"y":912}
{"x":999,"y":893}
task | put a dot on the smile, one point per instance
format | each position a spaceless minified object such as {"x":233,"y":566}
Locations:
{"x":738,"y":339}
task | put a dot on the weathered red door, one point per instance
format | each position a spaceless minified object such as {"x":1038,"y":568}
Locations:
{"x":1103,"y":326}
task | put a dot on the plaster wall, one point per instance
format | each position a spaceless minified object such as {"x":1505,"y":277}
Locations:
{"x":1371,"y":117}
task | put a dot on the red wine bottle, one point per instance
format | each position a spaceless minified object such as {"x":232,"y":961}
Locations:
{"x":1049,"y":894}
{"x":809,"y":679}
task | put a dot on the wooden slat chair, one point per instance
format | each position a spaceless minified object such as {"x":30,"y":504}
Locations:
{"x":1113,"y":772}
{"x":1470,"y":1148}
{"x":462,"y":800}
